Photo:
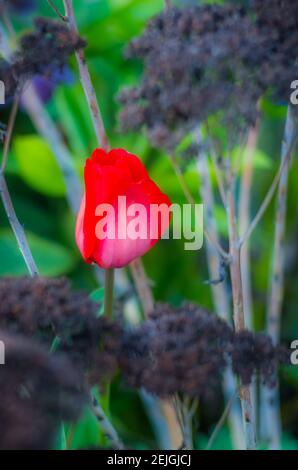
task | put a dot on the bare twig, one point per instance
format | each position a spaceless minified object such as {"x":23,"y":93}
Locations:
{"x":10,"y":126}
{"x":7,"y":202}
{"x":221,"y":421}
{"x":142,"y":285}
{"x":271,"y":190}
{"x":244,"y":216}
{"x":209,"y":236}
{"x":167,"y":3}
{"x":55,"y":9}
{"x":86,"y":81}
{"x":17,"y":227}
{"x":219,"y":291}
{"x":271,"y":411}
{"x":238,"y":308}
{"x":106,"y":426}
{"x":277,"y":277}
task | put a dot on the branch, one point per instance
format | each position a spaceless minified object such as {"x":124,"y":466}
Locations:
{"x":277,"y":277}
{"x":209,"y":236}
{"x":107,"y":427}
{"x":221,"y":422}
{"x":6,"y":199}
{"x":219,"y":291}
{"x":239,"y":319}
{"x":272,"y":419}
{"x":55,"y":9}
{"x":244,"y":216}
{"x":10,"y":126}
{"x":288,"y":146}
{"x":86,"y":82}
{"x":142,"y":285}
{"x":17,"y":227}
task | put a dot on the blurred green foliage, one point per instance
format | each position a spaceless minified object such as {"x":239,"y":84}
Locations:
{"x":38,"y":194}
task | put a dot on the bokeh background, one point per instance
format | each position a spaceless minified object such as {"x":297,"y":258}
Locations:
{"x":38,"y":194}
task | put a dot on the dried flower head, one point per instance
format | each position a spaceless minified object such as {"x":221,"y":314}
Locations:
{"x":186,"y":350}
{"x":41,"y":52}
{"x":210,"y":59}
{"x":38,"y":390}
{"x":174,"y":351}
{"x":47,"y":309}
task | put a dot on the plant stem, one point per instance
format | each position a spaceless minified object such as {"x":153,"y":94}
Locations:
{"x":209,"y":236}
{"x":86,"y":81}
{"x":238,"y":308}
{"x":271,"y":409}
{"x":244,"y":219}
{"x":107,"y":427}
{"x":271,"y":191}
{"x":109,"y":288}
{"x":221,"y":421}
{"x":142,"y":285}
{"x":244,"y":213}
{"x":6,"y":199}
{"x":219,"y":291}
{"x":10,"y":126}
{"x":55,"y":9}
{"x":17,"y":228}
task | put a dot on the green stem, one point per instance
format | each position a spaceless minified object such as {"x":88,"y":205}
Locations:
{"x":109,"y":288}
{"x":108,"y":311}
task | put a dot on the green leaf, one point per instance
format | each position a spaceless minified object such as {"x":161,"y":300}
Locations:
{"x":37,"y":165}
{"x":98,"y":296}
{"x":51,"y":258}
{"x":60,"y":441}
{"x":86,"y":432}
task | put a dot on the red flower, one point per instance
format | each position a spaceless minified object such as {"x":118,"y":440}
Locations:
{"x":112,"y":231}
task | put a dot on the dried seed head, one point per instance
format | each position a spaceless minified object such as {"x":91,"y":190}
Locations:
{"x":41,"y":52}
{"x":210,"y":59}
{"x":38,"y":390}
{"x":186,"y":350}
{"x":48,"y":309}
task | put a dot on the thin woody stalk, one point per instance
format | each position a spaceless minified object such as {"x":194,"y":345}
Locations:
{"x":108,"y":429}
{"x":271,"y":409}
{"x":238,"y":308}
{"x":86,"y":81}
{"x":6,"y":199}
{"x":244,"y":213}
{"x":244,"y":220}
{"x":219,"y":292}
{"x":17,"y":227}
{"x":220,"y":296}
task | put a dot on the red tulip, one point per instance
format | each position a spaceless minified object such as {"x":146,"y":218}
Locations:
{"x":110,"y":178}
